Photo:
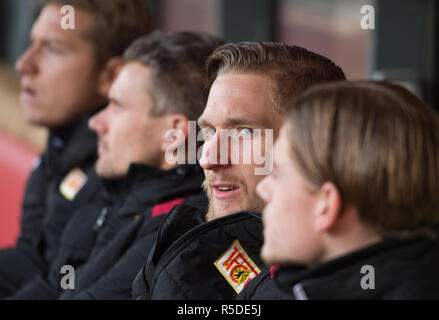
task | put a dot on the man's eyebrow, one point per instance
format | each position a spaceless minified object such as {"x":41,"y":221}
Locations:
{"x":114,"y":100}
{"x":203,"y":123}
{"x":236,"y":121}
{"x":33,"y":35}
{"x":53,"y":41}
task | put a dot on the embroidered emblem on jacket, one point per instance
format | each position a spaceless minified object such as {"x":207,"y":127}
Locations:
{"x":72,"y":183}
{"x":236,"y":266}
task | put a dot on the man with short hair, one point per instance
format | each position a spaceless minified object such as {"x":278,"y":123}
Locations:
{"x":157,"y":91}
{"x":66,"y":75}
{"x":353,"y":201}
{"x":213,"y":255}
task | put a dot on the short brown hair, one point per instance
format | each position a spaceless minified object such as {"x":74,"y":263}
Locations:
{"x":292,"y":68}
{"x":116,"y":24}
{"x":177,"y":60}
{"x":378,"y":143}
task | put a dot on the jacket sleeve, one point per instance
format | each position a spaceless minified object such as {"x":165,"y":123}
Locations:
{"x":33,"y":208}
{"x":140,"y":286}
{"x":36,"y":289}
{"x":116,"y":283}
{"x":248,"y":293}
{"x":19,"y":264}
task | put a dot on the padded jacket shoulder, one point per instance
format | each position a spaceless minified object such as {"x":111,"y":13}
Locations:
{"x":182,"y":264}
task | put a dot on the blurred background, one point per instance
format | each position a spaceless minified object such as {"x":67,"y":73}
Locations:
{"x":401,"y":48}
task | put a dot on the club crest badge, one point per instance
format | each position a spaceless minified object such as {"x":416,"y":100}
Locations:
{"x":236,"y":266}
{"x":72,"y":183}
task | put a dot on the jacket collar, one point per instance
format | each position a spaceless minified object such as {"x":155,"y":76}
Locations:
{"x":71,"y":146}
{"x":146,"y":185}
{"x":340,"y":278}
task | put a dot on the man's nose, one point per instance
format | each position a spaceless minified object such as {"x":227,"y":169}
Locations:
{"x":99,"y":122}
{"x":26,"y":64}
{"x":216,"y":152}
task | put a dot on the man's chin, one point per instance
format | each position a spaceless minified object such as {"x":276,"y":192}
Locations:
{"x":43,"y":120}
{"x":218,"y":209}
{"x":104,"y":171}
{"x":266,"y":255}
{"x":221,"y":208}
{"x":35,"y":118}
{"x":271,"y":256}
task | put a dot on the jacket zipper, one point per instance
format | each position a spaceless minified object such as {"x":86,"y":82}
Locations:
{"x":105,"y":211}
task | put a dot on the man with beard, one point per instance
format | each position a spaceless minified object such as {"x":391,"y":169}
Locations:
{"x":214,"y":255}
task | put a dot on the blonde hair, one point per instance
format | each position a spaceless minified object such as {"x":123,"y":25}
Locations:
{"x":292,"y":69}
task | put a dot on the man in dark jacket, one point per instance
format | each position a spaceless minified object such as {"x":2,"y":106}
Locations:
{"x":156,"y":93}
{"x":66,"y":75}
{"x":353,"y":198}
{"x":214,"y":254}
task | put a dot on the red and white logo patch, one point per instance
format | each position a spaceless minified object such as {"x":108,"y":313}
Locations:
{"x":72,"y":183}
{"x":236,"y":266}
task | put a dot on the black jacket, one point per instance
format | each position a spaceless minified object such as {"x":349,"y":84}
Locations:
{"x":401,"y":270}
{"x":46,"y":210}
{"x":194,"y":259}
{"x":107,"y":241}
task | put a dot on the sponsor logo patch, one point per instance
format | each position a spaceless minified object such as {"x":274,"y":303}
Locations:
{"x":72,"y":183}
{"x":236,"y":266}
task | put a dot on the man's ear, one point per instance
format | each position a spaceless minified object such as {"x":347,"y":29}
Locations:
{"x":108,"y":74}
{"x":328,"y":207}
{"x":177,"y":133}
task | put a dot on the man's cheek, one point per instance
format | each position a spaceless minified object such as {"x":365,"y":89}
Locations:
{"x":252,"y":182}
{"x":245,"y":151}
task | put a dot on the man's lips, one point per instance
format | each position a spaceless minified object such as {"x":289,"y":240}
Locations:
{"x":102,"y":148}
{"x":27,"y":93}
{"x":224,"y":191}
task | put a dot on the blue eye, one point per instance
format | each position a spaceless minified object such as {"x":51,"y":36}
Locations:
{"x":208,"y":133}
{"x":54,"y":50}
{"x":246,"y":131}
